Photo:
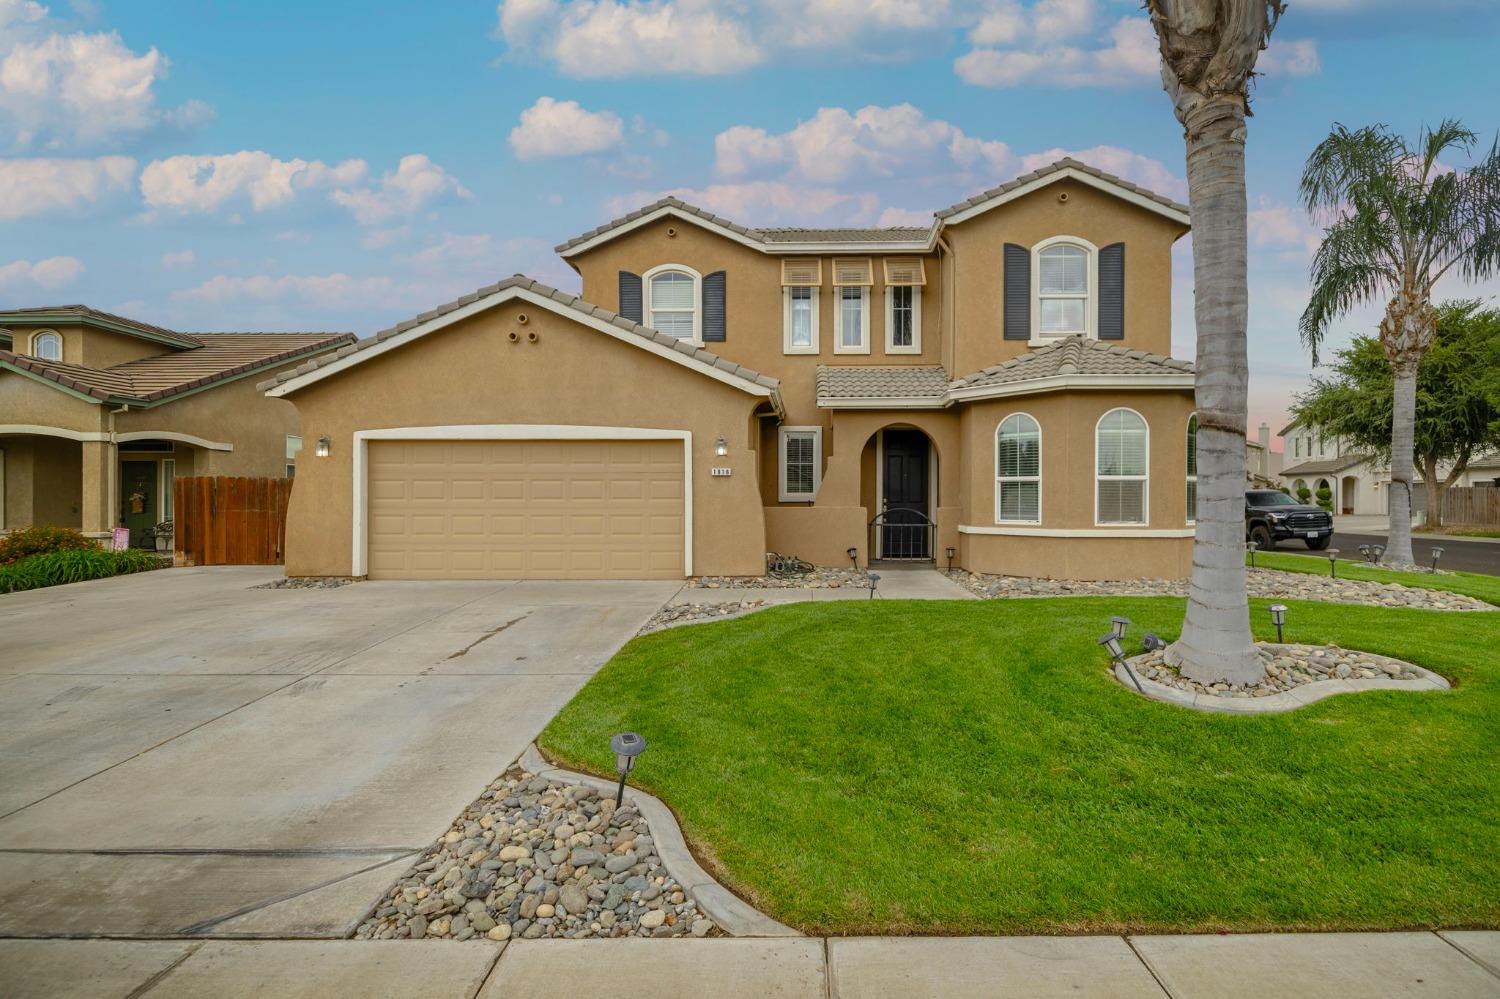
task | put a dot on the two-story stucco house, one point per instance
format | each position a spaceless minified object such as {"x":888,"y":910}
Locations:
{"x":997,"y":383}
{"x":100,"y":413}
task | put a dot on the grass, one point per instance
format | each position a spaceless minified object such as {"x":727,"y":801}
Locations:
{"x":55,"y":568}
{"x":1486,"y":588}
{"x":1463,"y":532}
{"x":968,"y":767}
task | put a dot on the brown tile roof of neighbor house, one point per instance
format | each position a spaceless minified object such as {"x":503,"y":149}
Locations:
{"x":1326,"y":466}
{"x":571,"y":302}
{"x":891,"y":234}
{"x":882,"y":382}
{"x":61,"y":314}
{"x":221,"y":356}
{"x":1075,"y":355}
{"x":1067,"y":162}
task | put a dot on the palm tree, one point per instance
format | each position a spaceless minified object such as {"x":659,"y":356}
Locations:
{"x":1401,"y":221}
{"x":1208,"y":53}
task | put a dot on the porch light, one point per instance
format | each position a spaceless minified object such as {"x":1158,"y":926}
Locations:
{"x":1119,"y":625}
{"x":1278,"y":618}
{"x":951,"y":552}
{"x":721,"y":449}
{"x":1437,"y":553}
{"x":1251,"y":546}
{"x":323,"y":445}
{"x":1333,"y":563}
{"x":626,"y":746}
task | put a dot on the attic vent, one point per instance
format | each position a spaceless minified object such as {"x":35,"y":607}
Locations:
{"x":853,"y":272}
{"x":905,"y":271}
{"x":801,"y":272}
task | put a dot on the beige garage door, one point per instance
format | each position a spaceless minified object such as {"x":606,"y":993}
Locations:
{"x":525,"y":509}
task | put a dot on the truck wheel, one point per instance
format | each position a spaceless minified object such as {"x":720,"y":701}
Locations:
{"x":1261,"y":535}
{"x":1319,"y":544}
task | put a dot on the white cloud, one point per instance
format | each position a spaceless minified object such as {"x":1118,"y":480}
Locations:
{"x":835,"y":145}
{"x":53,"y":272}
{"x":904,"y":217}
{"x":61,"y":90}
{"x":417,"y":183}
{"x":206,"y":183}
{"x":1290,"y":57}
{"x":1130,"y":57}
{"x":1276,"y":227}
{"x":618,"y":38}
{"x":181,"y":258}
{"x":43,"y":186}
{"x":563,"y":128}
{"x":1151,"y":174}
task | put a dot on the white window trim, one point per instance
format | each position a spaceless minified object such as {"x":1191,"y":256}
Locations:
{"x":167,"y":471}
{"x":786,"y":321}
{"x":37,"y":335}
{"x":1091,"y":306}
{"x":359,"y":556}
{"x":1019,"y":478}
{"x":1192,"y":477}
{"x":781,"y":437}
{"x":697,"y":338}
{"x":838,"y":321}
{"x":1145,"y":480}
{"x":916,"y":320}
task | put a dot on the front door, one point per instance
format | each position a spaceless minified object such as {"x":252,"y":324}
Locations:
{"x":138,"y":499}
{"x":905,"y":530}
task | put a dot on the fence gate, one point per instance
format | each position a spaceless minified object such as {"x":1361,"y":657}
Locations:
{"x":224,"y":520}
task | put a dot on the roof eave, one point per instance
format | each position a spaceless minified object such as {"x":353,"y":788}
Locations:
{"x":1175,"y":381}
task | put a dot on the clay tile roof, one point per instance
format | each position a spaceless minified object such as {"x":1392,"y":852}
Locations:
{"x":893,"y":234}
{"x":1074,"y":355}
{"x":1065,"y":163}
{"x":878,"y":381}
{"x":84,"y":314}
{"x":572,"y":302}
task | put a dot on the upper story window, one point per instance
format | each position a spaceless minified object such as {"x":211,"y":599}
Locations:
{"x":1064,"y":280}
{"x":800,"y":278}
{"x":46,"y":345}
{"x":1121,"y":454}
{"x":904,"y":278}
{"x":851,"y":314}
{"x":673,"y":293}
{"x":1018,"y":470}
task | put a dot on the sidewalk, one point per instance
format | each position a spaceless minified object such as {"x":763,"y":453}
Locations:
{"x":1447,"y":965}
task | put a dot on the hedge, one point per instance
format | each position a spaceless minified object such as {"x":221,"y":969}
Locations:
{"x":72,"y":566}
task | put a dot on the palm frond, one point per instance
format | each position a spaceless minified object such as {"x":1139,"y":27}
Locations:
{"x":1351,"y":266}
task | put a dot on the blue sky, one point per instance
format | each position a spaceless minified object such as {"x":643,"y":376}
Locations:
{"x":345,"y":165}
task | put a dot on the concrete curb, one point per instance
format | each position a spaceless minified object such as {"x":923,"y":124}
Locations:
{"x":1291,"y":700}
{"x":729,"y":912}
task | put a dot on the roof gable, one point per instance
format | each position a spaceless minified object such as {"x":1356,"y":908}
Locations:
{"x":82,"y":315}
{"x":1065,"y":169}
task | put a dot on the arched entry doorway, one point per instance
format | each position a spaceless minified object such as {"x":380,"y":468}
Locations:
{"x":903,"y":481}
{"x":1348,"y":490}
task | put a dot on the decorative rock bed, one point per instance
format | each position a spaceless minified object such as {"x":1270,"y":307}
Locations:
{"x":821,"y":577}
{"x":1296,"y":675}
{"x":305,"y":583}
{"x":689,"y":613}
{"x":1265,"y":583}
{"x":539,"y":858}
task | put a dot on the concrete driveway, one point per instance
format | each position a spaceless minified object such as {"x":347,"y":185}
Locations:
{"x":181,"y":753}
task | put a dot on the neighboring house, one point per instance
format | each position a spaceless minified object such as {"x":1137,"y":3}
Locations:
{"x":99,"y":413}
{"x":1313,"y":460}
{"x":1262,"y":465}
{"x":997,"y":382}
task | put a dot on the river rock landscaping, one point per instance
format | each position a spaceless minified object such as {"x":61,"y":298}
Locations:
{"x":821,"y":577}
{"x":532,"y":858}
{"x":1287,"y":666}
{"x":1264,"y":583}
{"x":305,"y":583}
{"x":675,"y":614}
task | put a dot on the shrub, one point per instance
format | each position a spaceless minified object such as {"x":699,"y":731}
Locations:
{"x":40,"y":541}
{"x":72,"y":566}
{"x":1325,"y":498}
{"x":1303,"y":494}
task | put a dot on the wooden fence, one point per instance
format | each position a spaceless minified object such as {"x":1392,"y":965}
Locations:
{"x":1471,"y":505}
{"x":222,"y":520}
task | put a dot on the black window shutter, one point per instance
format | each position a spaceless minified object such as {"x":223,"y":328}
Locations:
{"x":630,"y":296}
{"x":713,"y":307}
{"x":1017,"y":312}
{"x":1112,"y":292}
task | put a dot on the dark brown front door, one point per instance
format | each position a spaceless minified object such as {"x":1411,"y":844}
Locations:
{"x":905,"y":533}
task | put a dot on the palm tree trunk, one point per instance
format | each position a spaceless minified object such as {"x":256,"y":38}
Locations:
{"x":1403,"y":429}
{"x":1216,"y":644}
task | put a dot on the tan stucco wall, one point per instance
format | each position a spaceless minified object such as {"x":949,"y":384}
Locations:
{"x":234,"y":413}
{"x":977,"y":266}
{"x":43,"y":482}
{"x":86,"y":345}
{"x":470,"y":373}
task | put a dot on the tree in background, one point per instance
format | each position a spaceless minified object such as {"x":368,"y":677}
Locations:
{"x":1208,"y":53}
{"x":1400,"y":221}
{"x":1457,"y":409}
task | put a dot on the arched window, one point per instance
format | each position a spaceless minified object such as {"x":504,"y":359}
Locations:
{"x":1192,"y":469}
{"x":47,"y":346}
{"x":1018,"y":470}
{"x":672,"y":301}
{"x":1064,"y":282}
{"x":1121,"y":452}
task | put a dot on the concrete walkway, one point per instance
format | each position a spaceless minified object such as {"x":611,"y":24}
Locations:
{"x":1447,"y":965}
{"x":917,"y":582}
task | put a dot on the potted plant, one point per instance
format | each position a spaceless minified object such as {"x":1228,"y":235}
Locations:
{"x":164,"y":536}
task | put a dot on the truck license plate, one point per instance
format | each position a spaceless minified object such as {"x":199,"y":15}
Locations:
{"x":1312,"y":534}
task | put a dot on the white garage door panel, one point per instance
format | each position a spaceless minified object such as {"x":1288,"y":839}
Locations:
{"x":525,"y":509}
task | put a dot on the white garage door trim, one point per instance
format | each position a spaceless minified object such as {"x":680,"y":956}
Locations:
{"x":514,"y":432}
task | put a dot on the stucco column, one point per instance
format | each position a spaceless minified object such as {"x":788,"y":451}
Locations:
{"x":98,"y":509}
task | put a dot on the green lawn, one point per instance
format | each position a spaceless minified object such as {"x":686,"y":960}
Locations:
{"x":969,"y":767}
{"x":1486,"y":588}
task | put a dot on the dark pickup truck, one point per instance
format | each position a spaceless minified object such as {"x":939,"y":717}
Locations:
{"x":1272,"y":516}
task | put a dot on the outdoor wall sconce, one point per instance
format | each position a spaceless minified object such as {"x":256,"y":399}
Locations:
{"x":721,"y":449}
{"x":951,"y":552}
{"x":1333,"y":563}
{"x":1251,"y":547}
{"x":1278,"y":618}
{"x":853,"y":554}
{"x":1119,"y":625}
{"x":1437,"y":553}
{"x":626,"y":747}
{"x":323,"y":444}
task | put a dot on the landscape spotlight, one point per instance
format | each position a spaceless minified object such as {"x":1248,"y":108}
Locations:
{"x":1251,"y":546}
{"x":1151,"y":641}
{"x":853,"y":554}
{"x":954,"y":551}
{"x":1119,"y":625}
{"x":1333,"y":562}
{"x":1278,"y":618}
{"x":626,"y":746}
{"x":1437,"y":553}
{"x":874,"y":581}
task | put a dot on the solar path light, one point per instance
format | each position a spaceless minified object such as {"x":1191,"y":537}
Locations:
{"x":1111,"y":642}
{"x":1119,"y":625}
{"x":1437,"y":553}
{"x":954,"y":551}
{"x":1278,"y":618}
{"x":874,"y":582}
{"x":853,"y":554}
{"x":626,"y":746}
{"x":1251,"y":546}
{"x":1333,"y":563}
